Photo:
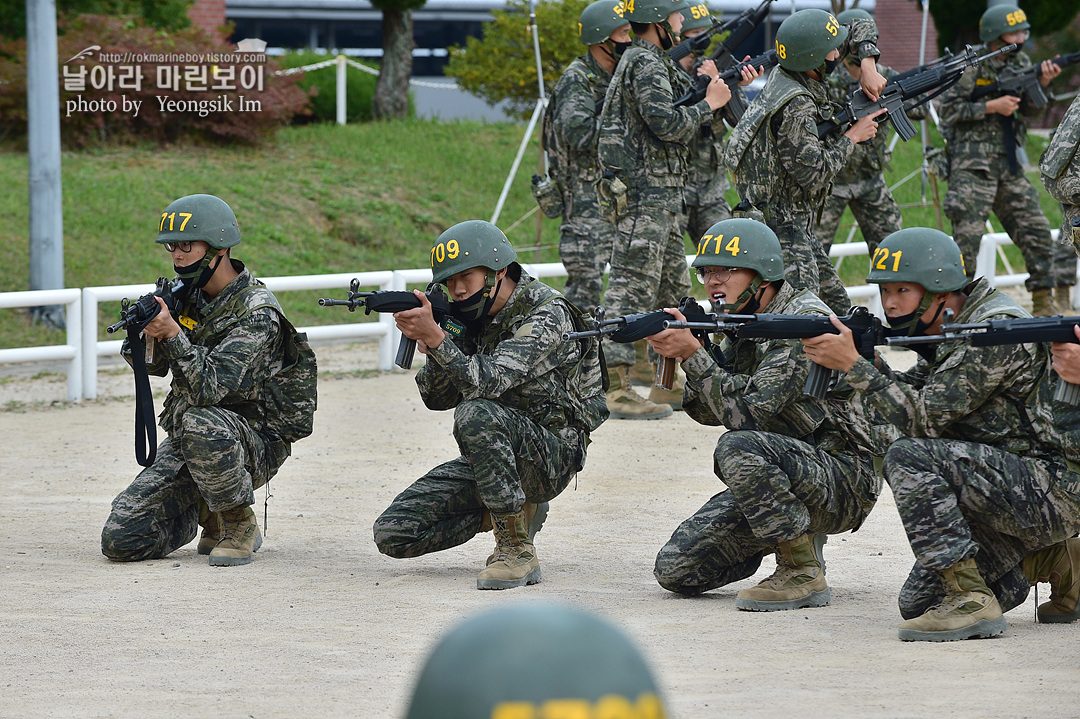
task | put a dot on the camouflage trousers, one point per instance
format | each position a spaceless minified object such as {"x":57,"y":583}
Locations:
{"x":959,"y":500}
{"x":216,"y":457}
{"x":871,"y":203}
{"x":973,"y":194}
{"x":1070,"y":234}
{"x":778,"y":489}
{"x":648,"y":270}
{"x":507,"y":459}
{"x":585,"y":250}
{"x":806,"y":263}
{"x":704,"y":205}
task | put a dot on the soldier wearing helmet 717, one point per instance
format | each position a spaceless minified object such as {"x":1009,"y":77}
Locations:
{"x":524,"y":404}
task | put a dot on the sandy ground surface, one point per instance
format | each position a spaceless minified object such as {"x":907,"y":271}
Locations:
{"x":322,"y":625}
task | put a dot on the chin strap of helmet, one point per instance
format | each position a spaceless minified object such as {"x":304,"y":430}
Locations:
{"x":745,"y":298}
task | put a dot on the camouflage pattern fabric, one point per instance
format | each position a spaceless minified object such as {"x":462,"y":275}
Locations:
{"x":786,"y":171}
{"x":787,"y":466}
{"x":962,"y":499}
{"x":980,"y":180}
{"x":648,"y":260}
{"x":704,"y":203}
{"x":1060,"y":169}
{"x":571,"y":126}
{"x":506,"y":459}
{"x":861,"y":183}
{"x":515,"y":422}
{"x":218,"y":447}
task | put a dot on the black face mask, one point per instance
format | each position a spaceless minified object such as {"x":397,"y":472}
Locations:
{"x":197,"y":274}
{"x":913,"y":323}
{"x":620,"y":48}
{"x":473,"y":310}
{"x":665,"y":37}
{"x":830,"y":65}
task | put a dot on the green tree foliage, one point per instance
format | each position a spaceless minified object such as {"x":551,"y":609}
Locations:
{"x":502,"y":66}
{"x":161,"y":14}
{"x":957,"y":21}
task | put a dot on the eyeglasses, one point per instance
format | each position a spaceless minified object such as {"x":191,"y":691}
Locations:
{"x":721,"y":274}
{"x":184,"y":246}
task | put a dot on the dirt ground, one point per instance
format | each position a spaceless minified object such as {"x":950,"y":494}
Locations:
{"x":322,"y":625}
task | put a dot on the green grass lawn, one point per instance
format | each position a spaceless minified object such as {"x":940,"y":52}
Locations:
{"x":321,"y":199}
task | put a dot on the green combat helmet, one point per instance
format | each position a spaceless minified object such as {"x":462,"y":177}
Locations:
{"x":600,"y":19}
{"x":560,"y":658}
{"x":696,"y":17}
{"x":473,"y":243}
{"x":745,"y":243}
{"x":199,"y":217}
{"x":806,"y":37}
{"x":922,"y":255}
{"x":648,"y":11}
{"x":854,"y":13}
{"x":1000,"y":19}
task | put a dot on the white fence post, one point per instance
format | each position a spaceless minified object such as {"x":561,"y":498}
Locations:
{"x":70,"y":351}
{"x":341,"y":89}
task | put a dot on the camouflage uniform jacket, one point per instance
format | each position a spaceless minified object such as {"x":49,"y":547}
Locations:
{"x":1060,"y":165}
{"x":706,"y":149}
{"x":572,"y":123}
{"x":870,"y":159}
{"x":974,"y":394}
{"x":643,"y":137}
{"x":759,"y":385}
{"x":226,"y":359}
{"x":518,"y":360}
{"x":975,"y":140}
{"x":780,"y":163}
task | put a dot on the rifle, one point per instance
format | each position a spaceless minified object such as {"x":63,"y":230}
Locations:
{"x":633,"y":327}
{"x":1024,"y":82}
{"x":1008,"y":332}
{"x":742,"y":27}
{"x":731,"y":76}
{"x":698,"y":44}
{"x":936,"y":79}
{"x":867,"y":331}
{"x":394,"y":301}
{"x":134,"y":316}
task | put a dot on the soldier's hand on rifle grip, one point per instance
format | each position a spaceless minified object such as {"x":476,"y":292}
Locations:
{"x":1005,"y":105}
{"x":708,"y":67}
{"x":865,"y":128}
{"x":750,"y":73}
{"x":419,"y":324}
{"x":1050,"y":70}
{"x":832,"y":351}
{"x":871,"y":81}
{"x":677,"y":344}
{"x":163,"y":326}
{"x":717,"y":94}
{"x":1067,"y":358}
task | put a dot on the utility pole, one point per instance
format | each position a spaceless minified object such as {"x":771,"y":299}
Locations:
{"x":43,"y":120}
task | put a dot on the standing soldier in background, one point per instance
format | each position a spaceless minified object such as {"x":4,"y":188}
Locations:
{"x":571,"y":123}
{"x":781,"y":166}
{"x":861,"y":183}
{"x":1060,"y":167}
{"x":643,"y":183}
{"x":982,"y":138}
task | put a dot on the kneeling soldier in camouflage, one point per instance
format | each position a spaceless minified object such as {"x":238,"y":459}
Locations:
{"x":524,"y":404}
{"x":984,"y":484}
{"x":243,"y":389}
{"x":794,"y":474}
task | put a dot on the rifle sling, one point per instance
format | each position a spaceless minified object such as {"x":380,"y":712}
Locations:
{"x":145,"y":421}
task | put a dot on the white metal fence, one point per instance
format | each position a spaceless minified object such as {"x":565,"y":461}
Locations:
{"x":83,"y":348}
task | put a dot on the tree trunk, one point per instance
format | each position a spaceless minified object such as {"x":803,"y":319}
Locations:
{"x":392,"y":89}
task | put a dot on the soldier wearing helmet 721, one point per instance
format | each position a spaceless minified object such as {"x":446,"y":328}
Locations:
{"x":524,"y":404}
{"x":984,"y":479}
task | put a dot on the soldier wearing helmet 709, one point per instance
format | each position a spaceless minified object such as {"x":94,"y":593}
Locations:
{"x":982,"y":481}
{"x":794,"y":473}
{"x":781,"y":166}
{"x":524,"y":404}
{"x":243,"y":389}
